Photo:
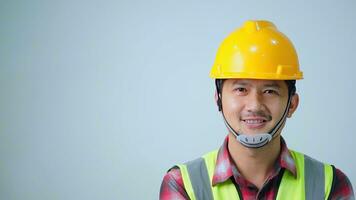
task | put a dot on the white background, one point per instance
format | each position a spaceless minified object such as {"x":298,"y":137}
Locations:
{"x":100,"y":98}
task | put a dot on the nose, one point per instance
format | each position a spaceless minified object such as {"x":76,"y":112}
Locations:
{"x":254,"y":102}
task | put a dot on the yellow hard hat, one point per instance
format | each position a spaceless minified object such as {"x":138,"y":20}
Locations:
{"x":257,"y":50}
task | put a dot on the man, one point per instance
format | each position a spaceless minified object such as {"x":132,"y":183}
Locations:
{"x":255,"y":71}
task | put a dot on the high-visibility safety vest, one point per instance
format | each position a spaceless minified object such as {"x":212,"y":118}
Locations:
{"x":314,"y":180}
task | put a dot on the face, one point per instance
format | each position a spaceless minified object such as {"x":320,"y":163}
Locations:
{"x":255,"y":106}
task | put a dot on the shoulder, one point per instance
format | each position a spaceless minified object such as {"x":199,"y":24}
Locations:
{"x":172,"y":186}
{"x":174,"y":174}
{"x":342,"y":187}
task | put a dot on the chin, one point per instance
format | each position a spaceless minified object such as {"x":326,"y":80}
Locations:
{"x":255,"y":132}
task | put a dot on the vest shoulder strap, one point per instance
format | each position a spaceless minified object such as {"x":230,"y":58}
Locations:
{"x":313,"y":181}
{"x":198,"y":182}
{"x":314,"y":178}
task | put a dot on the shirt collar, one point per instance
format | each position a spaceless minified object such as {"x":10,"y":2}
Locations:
{"x":224,"y":164}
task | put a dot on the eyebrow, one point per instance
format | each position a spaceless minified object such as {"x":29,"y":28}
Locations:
{"x":239,"y":82}
{"x":272,"y":84}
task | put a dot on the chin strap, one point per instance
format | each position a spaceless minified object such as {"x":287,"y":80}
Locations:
{"x":261,"y":139}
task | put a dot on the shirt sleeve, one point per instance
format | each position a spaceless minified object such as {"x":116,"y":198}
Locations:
{"x":172,"y":186}
{"x":342,"y":188}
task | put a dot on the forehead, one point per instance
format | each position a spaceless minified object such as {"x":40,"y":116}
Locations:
{"x":257,"y":82}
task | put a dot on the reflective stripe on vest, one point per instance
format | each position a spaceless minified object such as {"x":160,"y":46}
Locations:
{"x":313,"y":181}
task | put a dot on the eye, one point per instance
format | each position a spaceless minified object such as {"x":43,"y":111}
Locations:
{"x":271,"y":92}
{"x":240,"y":89}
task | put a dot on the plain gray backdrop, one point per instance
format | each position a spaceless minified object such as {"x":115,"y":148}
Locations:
{"x":100,"y":98}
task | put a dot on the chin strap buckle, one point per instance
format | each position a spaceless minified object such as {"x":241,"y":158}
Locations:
{"x":254,"y":141}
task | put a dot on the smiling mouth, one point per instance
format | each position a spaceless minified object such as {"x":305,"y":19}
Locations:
{"x":255,"y":123}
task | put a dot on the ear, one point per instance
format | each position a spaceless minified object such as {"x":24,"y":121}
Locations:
{"x":218,"y":103}
{"x":216,"y":97}
{"x":293,"y":105}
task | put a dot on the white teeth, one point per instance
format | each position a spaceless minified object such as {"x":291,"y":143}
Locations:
{"x":253,"y":121}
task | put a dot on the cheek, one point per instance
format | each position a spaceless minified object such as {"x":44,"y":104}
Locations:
{"x":231,"y":104}
{"x":277,"y":109}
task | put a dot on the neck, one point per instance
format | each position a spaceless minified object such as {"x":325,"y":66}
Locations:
{"x":254,"y":164}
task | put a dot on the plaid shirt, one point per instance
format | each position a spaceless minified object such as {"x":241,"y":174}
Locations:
{"x":173,"y":188}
